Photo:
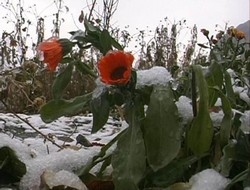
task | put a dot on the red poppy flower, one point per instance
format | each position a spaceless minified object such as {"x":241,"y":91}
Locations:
{"x":115,"y":67}
{"x":52,"y":52}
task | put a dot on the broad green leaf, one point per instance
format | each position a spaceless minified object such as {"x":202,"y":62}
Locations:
{"x":200,"y":134}
{"x":66,"y":60}
{"x":229,"y":88}
{"x":57,"y":108}
{"x":11,"y":168}
{"x":161,"y":128}
{"x":129,"y":159}
{"x":214,"y":77}
{"x":116,"y":44}
{"x":100,"y":108}
{"x":170,"y":174}
{"x":105,"y":40}
{"x":226,"y":123}
{"x":61,"y":82}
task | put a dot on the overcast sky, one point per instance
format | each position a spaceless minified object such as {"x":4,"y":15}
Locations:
{"x":143,"y":13}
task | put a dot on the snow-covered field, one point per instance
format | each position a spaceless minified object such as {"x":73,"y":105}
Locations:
{"x":39,"y":154}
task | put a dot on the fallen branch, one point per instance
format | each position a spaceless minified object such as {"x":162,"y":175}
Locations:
{"x":29,"y":124}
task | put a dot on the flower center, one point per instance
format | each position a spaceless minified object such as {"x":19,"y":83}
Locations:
{"x":118,"y":73}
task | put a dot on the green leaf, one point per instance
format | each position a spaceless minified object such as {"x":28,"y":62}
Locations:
{"x":226,"y":123}
{"x":161,"y":128}
{"x":116,"y":44}
{"x":57,"y":108}
{"x":129,"y":159}
{"x":227,"y":158}
{"x":200,"y":134}
{"x":11,"y":168}
{"x":170,"y":174}
{"x":229,"y":88}
{"x":105,"y":40}
{"x":61,"y":82}
{"x":100,"y":108}
{"x":214,"y":78}
{"x":66,"y":60}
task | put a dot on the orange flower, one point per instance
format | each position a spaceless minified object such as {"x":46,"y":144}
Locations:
{"x":240,"y":35}
{"x":234,"y":32}
{"x":115,"y":67}
{"x":51,"y":52}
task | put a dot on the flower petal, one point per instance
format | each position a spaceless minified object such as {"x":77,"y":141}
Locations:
{"x":52,"y":52}
{"x":115,"y":67}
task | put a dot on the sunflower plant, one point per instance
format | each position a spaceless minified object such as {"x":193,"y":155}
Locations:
{"x":156,"y":149}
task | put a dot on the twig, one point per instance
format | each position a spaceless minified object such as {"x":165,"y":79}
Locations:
{"x":25,"y":94}
{"x":25,"y":121}
{"x":91,"y":10}
{"x":70,"y":133}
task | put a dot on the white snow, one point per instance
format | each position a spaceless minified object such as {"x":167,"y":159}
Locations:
{"x":245,"y":122}
{"x":66,"y":159}
{"x":208,"y":179}
{"x":153,"y":76}
{"x":242,"y":92}
{"x":184,"y":105}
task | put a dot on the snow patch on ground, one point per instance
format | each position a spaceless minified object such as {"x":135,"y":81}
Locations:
{"x":40,"y":155}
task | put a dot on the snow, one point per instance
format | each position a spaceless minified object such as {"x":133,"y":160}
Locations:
{"x":208,"y":179}
{"x":153,"y":76}
{"x":245,"y":122}
{"x":242,"y":92}
{"x":66,"y":159}
{"x":184,"y":105}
